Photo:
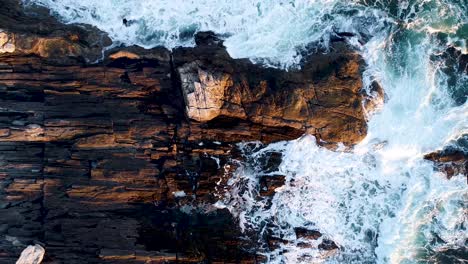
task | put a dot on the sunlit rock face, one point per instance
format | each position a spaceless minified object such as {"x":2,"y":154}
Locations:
{"x":101,"y":152}
{"x":204,"y":93}
{"x":322,"y":98}
{"x":141,"y":144}
{"x":7,"y":44}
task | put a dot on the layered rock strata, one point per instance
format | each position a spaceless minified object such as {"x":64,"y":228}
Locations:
{"x":118,"y":156}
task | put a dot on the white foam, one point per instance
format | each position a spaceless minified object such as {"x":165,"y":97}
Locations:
{"x":179,"y":194}
{"x":272,"y":31}
{"x":381,"y":202}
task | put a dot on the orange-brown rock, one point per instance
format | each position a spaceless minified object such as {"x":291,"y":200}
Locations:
{"x":453,"y":159}
{"x":322,"y":98}
{"x":115,"y":157}
{"x":269,"y":183}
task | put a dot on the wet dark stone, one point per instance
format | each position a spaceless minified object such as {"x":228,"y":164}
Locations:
{"x":454,"y":65}
{"x":452,"y":159}
{"x":270,"y":161}
{"x":196,"y":234}
{"x":269,"y":183}
{"x":275,"y":242}
{"x":452,"y":255}
{"x":302,"y":232}
{"x":207,"y":38}
{"x":327,"y":245}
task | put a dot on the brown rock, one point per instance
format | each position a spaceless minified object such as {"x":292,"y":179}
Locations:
{"x":204,"y":93}
{"x":269,"y":183}
{"x":307,"y":234}
{"x":7,"y":42}
{"x":322,"y":98}
{"x":123,"y":54}
{"x":92,"y":151}
{"x":452,"y":159}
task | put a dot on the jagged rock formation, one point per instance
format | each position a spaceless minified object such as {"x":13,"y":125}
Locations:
{"x":117,"y":157}
{"x":453,"y":159}
{"x":323,"y":98}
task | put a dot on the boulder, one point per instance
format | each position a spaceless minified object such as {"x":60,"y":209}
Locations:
{"x":327,"y":245}
{"x":374,"y":98}
{"x":31,"y":255}
{"x":322,"y":98}
{"x":269,"y":183}
{"x":452,"y":159}
{"x":302,"y":232}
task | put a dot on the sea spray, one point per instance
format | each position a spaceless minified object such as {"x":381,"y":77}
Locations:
{"x":271,"y":32}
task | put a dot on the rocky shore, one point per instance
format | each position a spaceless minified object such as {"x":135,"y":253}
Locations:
{"x":117,"y":155}
{"x":453,"y":159}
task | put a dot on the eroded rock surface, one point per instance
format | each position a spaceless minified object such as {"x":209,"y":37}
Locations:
{"x":322,"y":98}
{"x":117,"y":157}
{"x":453,"y":159}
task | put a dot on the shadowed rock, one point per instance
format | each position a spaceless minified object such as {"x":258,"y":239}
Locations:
{"x":327,"y":245}
{"x":454,"y":64}
{"x":307,"y":234}
{"x":268,"y":184}
{"x":375,"y":98}
{"x":453,"y":159}
{"x":270,"y":161}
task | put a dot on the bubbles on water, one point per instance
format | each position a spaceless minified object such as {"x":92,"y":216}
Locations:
{"x":270,"y":32}
{"x":380,"y":203}
{"x":352,"y":199}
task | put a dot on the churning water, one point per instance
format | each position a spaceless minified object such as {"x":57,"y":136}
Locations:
{"x":380,"y":202}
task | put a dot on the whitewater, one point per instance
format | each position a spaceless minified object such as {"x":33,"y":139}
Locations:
{"x":380,"y":201}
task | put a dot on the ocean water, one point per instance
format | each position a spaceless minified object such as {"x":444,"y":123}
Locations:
{"x":380,"y":202}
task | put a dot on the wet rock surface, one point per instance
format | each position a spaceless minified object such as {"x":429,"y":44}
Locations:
{"x":454,"y":64}
{"x":269,"y":183}
{"x":374,"y":98}
{"x":306,"y":233}
{"x":118,"y":156}
{"x":453,"y":159}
